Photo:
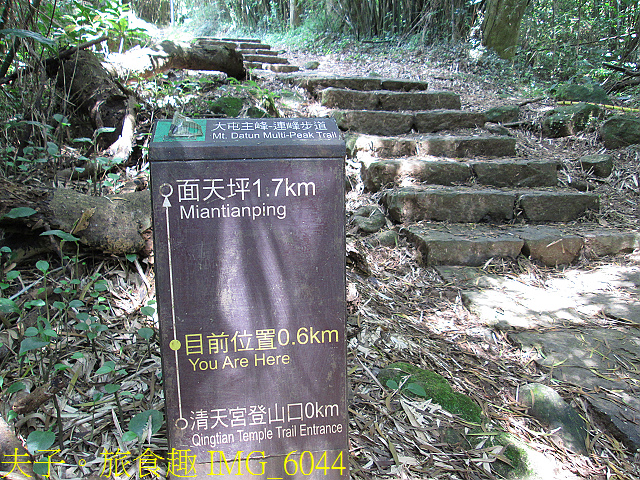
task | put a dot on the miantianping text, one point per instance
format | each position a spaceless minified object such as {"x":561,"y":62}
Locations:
{"x":227,"y":211}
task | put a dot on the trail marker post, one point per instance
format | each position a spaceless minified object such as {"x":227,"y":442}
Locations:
{"x":250,"y":281}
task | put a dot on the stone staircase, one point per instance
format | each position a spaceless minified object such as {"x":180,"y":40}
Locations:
{"x":461,"y":198}
{"x":256,"y":54}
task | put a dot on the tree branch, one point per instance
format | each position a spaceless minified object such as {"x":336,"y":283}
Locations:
{"x":52,"y":63}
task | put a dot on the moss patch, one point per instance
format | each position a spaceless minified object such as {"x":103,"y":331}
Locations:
{"x":229,"y":106}
{"x":517,"y":456}
{"x":417,"y":382}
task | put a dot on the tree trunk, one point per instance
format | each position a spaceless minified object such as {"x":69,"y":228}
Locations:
{"x":93,"y":92}
{"x":294,"y":14}
{"x":116,"y":224}
{"x":169,"y":55}
{"x":501,"y":25}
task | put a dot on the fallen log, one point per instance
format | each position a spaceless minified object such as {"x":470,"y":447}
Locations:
{"x":94,"y":93}
{"x":169,"y":55}
{"x":117,"y":224}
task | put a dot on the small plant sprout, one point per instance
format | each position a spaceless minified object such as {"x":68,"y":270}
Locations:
{"x":144,"y":424}
{"x":65,"y":237}
{"x":99,"y":163}
{"x":43,"y":266}
{"x":115,"y":388}
{"x":147,"y":333}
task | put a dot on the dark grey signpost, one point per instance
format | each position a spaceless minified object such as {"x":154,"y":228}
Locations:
{"x":250,"y":280}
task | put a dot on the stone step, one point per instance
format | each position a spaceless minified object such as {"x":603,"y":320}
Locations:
{"x":278,"y":68}
{"x":375,"y":122}
{"x":253,"y":51}
{"x":252,"y":46}
{"x":474,"y":245}
{"x":212,"y":41}
{"x":265,"y":59}
{"x":388,"y":100}
{"x":236,"y":40}
{"x":238,"y":44}
{"x":377,"y":174}
{"x":281,"y":68}
{"x":472,"y":205}
{"x":454,"y":146}
{"x":314,"y":84}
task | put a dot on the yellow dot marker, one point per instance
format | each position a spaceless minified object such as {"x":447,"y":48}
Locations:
{"x":175,"y":344}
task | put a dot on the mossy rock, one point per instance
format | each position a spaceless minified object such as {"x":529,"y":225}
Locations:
{"x":351,"y":144}
{"x":568,"y":119}
{"x":586,"y":92}
{"x":426,"y":384}
{"x":600,"y":165}
{"x":620,"y":131}
{"x":255,"y":112}
{"x":385,"y":238}
{"x":546,"y":405}
{"x":229,"y":106}
{"x":503,"y":114}
{"x":518,"y":464}
{"x":516,"y":453}
{"x":369,"y":219}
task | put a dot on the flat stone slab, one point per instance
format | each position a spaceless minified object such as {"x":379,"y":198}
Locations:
{"x":466,"y":205}
{"x":550,"y":246}
{"x":313,"y":84}
{"x":456,"y":146}
{"x":278,"y":68}
{"x":231,"y":39}
{"x":238,"y":44}
{"x":516,"y":173}
{"x":253,"y":51}
{"x":557,"y":206}
{"x":600,"y":360}
{"x":459,"y":245}
{"x":437,"y":120}
{"x":576,"y":297}
{"x":281,"y":68}
{"x":380,"y":147}
{"x":377,"y":174}
{"x":252,"y":45}
{"x":447,"y":204}
{"x":377,"y":122}
{"x":492,"y":173}
{"x":453,"y":146}
{"x":388,"y":100}
{"x":602,"y":242}
{"x":270,"y":59}
{"x":374,"y":122}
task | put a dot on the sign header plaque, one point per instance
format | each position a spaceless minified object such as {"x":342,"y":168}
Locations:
{"x":250,"y":265}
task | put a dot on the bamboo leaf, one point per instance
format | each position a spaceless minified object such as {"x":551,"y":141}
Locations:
{"x":20,"y":212}
{"x":20,"y":33}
